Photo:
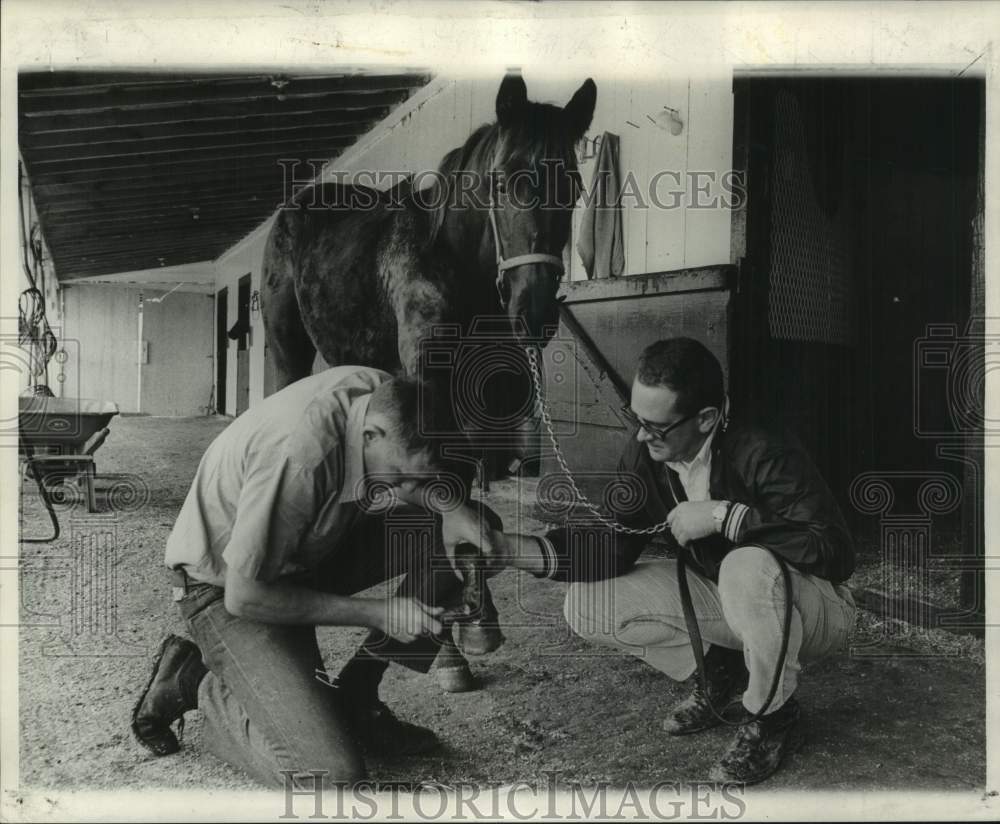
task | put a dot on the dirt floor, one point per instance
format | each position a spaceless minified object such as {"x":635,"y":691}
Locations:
{"x":902,"y":710}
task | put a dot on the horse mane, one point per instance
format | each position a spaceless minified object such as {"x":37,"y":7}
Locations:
{"x":540,"y":134}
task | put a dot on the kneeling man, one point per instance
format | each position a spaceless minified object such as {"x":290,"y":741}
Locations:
{"x":276,"y":534}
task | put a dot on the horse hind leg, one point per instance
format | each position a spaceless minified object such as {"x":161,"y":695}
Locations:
{"x":290,"y":351}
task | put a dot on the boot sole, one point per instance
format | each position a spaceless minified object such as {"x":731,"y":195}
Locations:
{"x":171,"y":746}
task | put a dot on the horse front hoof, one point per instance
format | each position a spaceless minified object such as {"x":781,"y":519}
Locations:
{"x":458,"y":678}
{"x":477,"y":638}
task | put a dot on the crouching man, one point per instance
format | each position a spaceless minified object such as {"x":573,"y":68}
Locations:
{"x":277,"y":533}
{"x":735,"y":498}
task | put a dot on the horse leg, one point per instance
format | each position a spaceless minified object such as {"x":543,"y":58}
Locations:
{"x":288,"y":343}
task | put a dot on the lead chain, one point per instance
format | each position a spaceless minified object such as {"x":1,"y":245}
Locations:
{"x":543,"y":411}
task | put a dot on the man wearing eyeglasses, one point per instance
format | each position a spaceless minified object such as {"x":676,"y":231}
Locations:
{"x":735,"y":498}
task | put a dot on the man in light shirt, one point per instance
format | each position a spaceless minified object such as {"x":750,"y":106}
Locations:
{"x":735,"y":498}
{"x":281,"y":528}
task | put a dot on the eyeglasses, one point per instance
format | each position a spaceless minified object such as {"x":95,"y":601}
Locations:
{"x":657,"y":430}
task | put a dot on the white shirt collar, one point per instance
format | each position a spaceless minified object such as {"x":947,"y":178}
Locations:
{"x":704,"y":455}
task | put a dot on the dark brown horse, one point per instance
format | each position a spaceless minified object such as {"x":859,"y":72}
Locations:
{"x":367,"y":277}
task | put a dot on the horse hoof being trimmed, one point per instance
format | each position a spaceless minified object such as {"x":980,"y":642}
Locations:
{"x":478,"y":638}
{"x":458,"y":678}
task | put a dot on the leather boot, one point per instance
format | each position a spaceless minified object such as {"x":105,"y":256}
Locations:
{"x":376,"y":728}
{"x":727,"y":675}
{"x":759,"y":748}
{"x":171,"y":691}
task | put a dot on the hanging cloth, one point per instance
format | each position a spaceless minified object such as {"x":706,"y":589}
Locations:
{"x":601,"y":244}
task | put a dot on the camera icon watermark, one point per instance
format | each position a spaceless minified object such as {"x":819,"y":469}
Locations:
{"x":906,"y":504}
{"x":73,"y":597}
{"x":488,"y":375}
{"x":36,"y":384}
{"x":949,"y":379}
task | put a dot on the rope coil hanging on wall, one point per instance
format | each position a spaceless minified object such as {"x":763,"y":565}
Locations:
{"x":33,"y":331}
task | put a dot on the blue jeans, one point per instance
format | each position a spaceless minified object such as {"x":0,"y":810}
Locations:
{"x":267,"y":705}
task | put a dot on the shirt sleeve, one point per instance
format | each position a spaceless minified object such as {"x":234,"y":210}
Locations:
{"x":591,"y":551}
{"x":791,"y":511}
{"x":277,"y":507}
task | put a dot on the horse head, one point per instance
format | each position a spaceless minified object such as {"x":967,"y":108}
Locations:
{"x":512,"y":189}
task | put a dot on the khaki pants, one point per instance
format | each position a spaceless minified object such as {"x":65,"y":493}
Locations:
{"x":640,"y":612}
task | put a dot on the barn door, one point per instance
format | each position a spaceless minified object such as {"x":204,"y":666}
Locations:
{"x":221,"y":348}
{"x":854,"y":246}
{"x":243,"y":346}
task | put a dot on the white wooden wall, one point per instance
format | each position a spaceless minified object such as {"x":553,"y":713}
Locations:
{"x":656,"y":239}
{"x":661,"y":239}
{"x":101,"y":340}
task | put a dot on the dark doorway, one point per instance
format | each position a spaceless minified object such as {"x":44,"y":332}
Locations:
{"x":221,"y":348}
{"x":243,"y":345}
{"x":861,"y":196}
{"x":861,"y":281}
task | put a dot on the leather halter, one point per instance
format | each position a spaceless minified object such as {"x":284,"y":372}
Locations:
{"x":503,"y":264}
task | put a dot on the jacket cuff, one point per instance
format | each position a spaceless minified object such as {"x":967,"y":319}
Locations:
{"x":732,"y":526}
{"x":550,"y":560}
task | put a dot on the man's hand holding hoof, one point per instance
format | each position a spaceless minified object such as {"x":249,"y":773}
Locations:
{"x":406,"y":619}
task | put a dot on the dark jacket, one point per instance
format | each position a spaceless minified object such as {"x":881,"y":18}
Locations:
{"x":787,"y":507}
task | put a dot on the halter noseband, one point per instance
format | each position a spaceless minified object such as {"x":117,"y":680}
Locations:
{"x":519,"y":260}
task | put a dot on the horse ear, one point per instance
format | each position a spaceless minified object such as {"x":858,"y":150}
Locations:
{"x":580,"y":110}
{"x":511,"y":99}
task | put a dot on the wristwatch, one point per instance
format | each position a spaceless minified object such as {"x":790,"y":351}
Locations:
{"x":719,"y":513}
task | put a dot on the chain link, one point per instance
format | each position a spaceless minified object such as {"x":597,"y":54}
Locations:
{"x":543,"y":411}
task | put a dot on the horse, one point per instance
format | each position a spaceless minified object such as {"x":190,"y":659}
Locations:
{"x":372,"y":277}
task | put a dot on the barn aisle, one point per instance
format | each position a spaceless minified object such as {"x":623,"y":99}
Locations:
{"x":549,"y":700}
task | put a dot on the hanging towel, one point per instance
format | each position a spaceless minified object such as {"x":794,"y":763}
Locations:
{"x":601,"y":244}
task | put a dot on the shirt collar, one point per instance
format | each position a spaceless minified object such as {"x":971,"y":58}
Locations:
{"x":354,"y":443}
{"x":703,"y":457}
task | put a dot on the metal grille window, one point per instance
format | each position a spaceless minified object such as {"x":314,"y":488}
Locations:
{"x":812,"y":293}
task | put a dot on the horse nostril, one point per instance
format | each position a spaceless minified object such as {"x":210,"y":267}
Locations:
{"x":561,"y":298}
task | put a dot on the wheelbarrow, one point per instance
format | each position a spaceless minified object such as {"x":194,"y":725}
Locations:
{"x":57,"y":441}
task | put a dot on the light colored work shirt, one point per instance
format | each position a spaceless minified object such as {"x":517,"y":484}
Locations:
{"x":279,"y":486}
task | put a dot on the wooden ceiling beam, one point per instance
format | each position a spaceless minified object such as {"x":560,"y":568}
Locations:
{"x":168,"y":236}
{"x":239,"y":126}
{"x":122,"y":88}
{"x":150,"y":203}
{"x":126,"y":99}
{"x":248,"y":179}
{"x":199,"y":172}
{"x":157,"y":148}
{"x":233,"y":153}
{"x":372,"y":108}
{"x":78,"y":263}
{"x":94,"y":223}
{"x":209,"y":248}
